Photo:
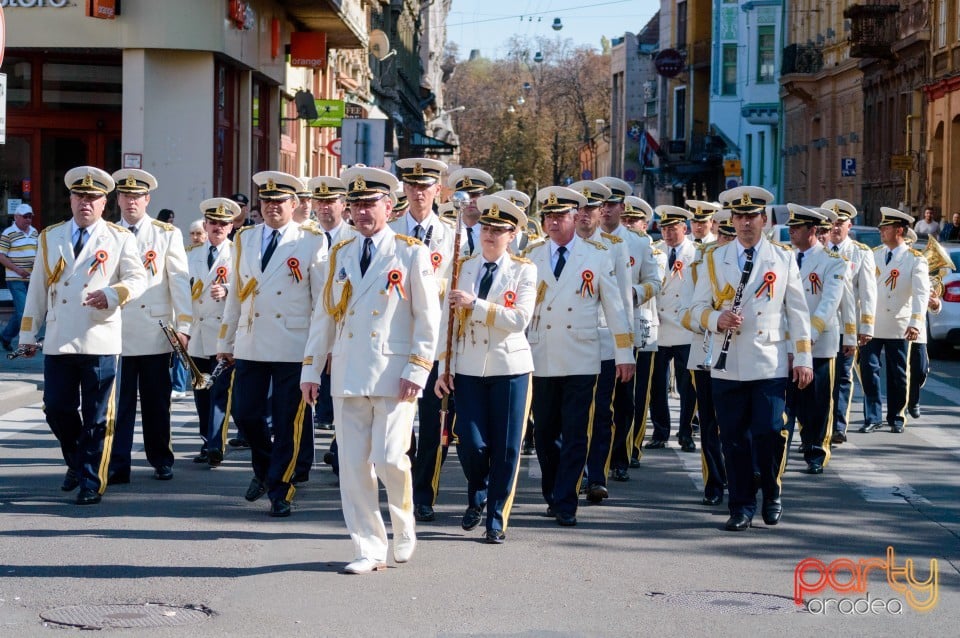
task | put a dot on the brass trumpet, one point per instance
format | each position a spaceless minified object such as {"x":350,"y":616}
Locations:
{"x":198,"y":380}
{"x":938,"y":263}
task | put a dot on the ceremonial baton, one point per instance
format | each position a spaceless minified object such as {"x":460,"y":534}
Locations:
{"x":459,"y":199}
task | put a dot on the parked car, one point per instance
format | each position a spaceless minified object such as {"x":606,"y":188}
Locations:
{"x":943,"y":329}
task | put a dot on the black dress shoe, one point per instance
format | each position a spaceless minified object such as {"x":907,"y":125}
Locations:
{"x":772,"y":510}
{"x":203,"y":457}
{"x":914,"y":411}
{"x":737,"y":523}
{"x":687,"y":445}
{"x":838,"y":438}
{"x":88,"y":497}
{"x":596,"y":493}
{"x":214,"y":457}
{"x":711,"y":500}
{"x":119,"y":478}
{"x":280,"y":508}
{"x":803,"y":448}
{"x":620,"y":474}
{"x":257,"y":489}
{"x":897,"y":428}
{"x":238,"y":442}
{"x":527,"y":449}
{"x":494,"y":536}
{"x":423,"y":513}
{"x":655,"y":444}
{"x":71,"y":480}
{"x":867,"y":428}
{"x":300,"y":477}
{"x":813,"y":468}
{"x":550,"y":513}
{"x":471,"y":518}
{"x":163,"y":473}
{"x":329,"y":458}
{"x":566,"y":520}
{"x":634,"y":462}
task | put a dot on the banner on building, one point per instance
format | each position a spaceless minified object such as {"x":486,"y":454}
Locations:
{"x":308,"y":49}
{"x":330,"y":114}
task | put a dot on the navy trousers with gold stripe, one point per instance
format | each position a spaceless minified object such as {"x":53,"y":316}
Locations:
{"x":842,"y":389}
{"x":79,"y":402}
{"x":752,"y":435}
{"x":213,"y":406}
{"x":273,"y":461}
{"x":813,"y":408}
{"x":896,"y":354}
{"x":641,"y":402}
{"x":429,"y":453}
{"x":714,"y":471}
{"x":149,"y":377}
{"x":562,"y":409}
{"x":612,"y":414}
{"x":491,"y":417}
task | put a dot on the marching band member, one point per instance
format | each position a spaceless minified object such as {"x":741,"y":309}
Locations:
{"x":86,"y":270}
{"x":474,"y":183}
{"x":903,"y":286}
{"x":918,"y":365}
{"x":701,"y":225}
{"x":576,"y":277}
{"x":522,"y":200}
{"x":673,"y":340}
{"x":209,"y":265}
{"x":491,"y":361}
{"x":379,"y":319}
{"x":274,"y":285}
{"x":862,"y":275}
{"x":823,"y":275}
{"x":753,"y":297}
{"x":145,"y":359}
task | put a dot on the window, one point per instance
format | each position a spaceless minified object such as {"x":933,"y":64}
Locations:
{"x":680,"y":113}
{"x":681,"y":24}
{"x":728,"y":81}
{"x":941,"y":24}
{"x":765,"y":55}
{"x":748,"y":160}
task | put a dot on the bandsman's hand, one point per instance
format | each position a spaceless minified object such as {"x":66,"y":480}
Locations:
{"x":96,"y":299}
{"x":802,"y":376}
{"x":849,"y":351}
{"x":444,"y":385}
{"x":863,"y":339}
{"x":184,"y":339}
{"x":408,"y":390}
{"x":625,"y":371}
{"x":225,"y":356}
{"x":933,"y":304}
{"x":30,"y":349}
{"x":911,"y":334}
{"x":461,"y":299}
{"x":729,"y":320}
{"x":310,"y":392}
{"x":218,"y":292}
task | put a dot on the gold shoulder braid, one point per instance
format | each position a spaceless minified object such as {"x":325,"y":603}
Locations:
{"x":411,"y":241}
{"x":338,"y":310}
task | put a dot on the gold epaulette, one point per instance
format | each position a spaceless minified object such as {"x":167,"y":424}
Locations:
{"x":465,"y":259}
{"x":449,"y":222}
{"x":164,"y":225}
{"x":782,"y":245}
{"x":243,"y":229}
{"x":122,"y":229}
{"x":860,"y":245}
{"x":642,"y":233}
{"x":532,"y":245}
{"x":611,"y":238}
{"x":193,"y":246}
{"x":656,"y":244}
{"x":411,"y":241}
{"x":878,"y":248}
{"x":915,"y":252}
{"x":311,"y":227}
{"x":522,"y":260}
{"x":830,"y":253}
{"x":341,"y":244}
{"x":656,"y":251}
{"x":595,"y":244}
{"x":52,"y":226}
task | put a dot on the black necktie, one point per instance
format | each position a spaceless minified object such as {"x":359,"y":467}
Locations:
{"x":889,"y":257}
{"x":470,"y":240}
{"x":673,"y":258}
{"x":211,"y":257}
{"x":418,"y":232}
{"x":748,"y":264}
{"x":329,"y":239}
{"x":487,"y":280}
{"x":81,"y":240}
{"x":561,"y":262}
{"x":268,"y":253}
{"x":366,"y":255}
{"x":133,"y":229}
{"x":698,"y":240}
{"x":835,"y":248}
{"x":800,"y":260}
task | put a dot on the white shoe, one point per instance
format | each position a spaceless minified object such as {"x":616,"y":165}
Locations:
{"x":364,"y":566}
{"x":178,"y":395}
{"x":403,"y":546}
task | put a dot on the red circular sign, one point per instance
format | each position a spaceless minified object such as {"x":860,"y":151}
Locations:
{"x":334,"y":147}
{"x":669,"y":62}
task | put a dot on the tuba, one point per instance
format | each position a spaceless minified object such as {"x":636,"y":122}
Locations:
{"x":939,"y":264}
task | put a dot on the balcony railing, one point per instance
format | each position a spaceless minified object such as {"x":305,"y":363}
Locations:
{"x":873,"y":30}
{"x":802,"y":58}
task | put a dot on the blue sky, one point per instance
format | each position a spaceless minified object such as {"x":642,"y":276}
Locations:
{"x":487,"y":24}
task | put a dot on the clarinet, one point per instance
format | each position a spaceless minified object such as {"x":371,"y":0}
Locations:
{"x":737,"y":302}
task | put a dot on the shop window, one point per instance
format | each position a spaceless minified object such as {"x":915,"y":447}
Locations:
{"x":82,"y":87}
{"x":19,"y":79}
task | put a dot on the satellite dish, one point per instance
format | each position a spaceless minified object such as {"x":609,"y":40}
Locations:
{"x":380,"y":45}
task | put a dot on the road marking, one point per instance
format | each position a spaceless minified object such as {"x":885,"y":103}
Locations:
{"x":22,"y":420}
{"x":941,"y":389}
{"x":874,"y":484}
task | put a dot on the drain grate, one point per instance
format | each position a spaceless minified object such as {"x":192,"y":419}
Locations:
{"x":127,"y":616}
{"x":730,"y":602}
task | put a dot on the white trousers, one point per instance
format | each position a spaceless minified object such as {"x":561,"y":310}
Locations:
{"x":373,"y":435}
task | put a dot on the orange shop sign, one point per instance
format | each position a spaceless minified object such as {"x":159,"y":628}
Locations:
{"x":309,"y":49}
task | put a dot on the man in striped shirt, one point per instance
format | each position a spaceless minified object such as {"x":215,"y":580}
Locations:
{"x":18,"y":249}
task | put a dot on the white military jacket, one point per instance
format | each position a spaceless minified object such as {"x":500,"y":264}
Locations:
{"x":824,"y":276}
{"x":701,"y":340}
{"x":267,"y":315}
{"x":622,"y":272}
{"x":439,"y":235}
{"x":489,"y":340}
{"x":167,"y":296}
{"x":564,"y":333}
{"x":773,"y":308}
{"x":863,"y":281}
{"x":207,"y":311}
{"x":903,"y":289}
{"x":59,"y":284}
{"x":670,"y":301}
{"x":379,"y":327}
{"x":647,"y":311}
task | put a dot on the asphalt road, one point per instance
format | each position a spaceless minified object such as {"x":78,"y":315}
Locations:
{"x":651,"y":559}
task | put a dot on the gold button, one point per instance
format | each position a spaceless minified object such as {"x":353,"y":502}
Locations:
{"x":373,"y":334}
{"x":375,"y":313}
{"x":350,"y":313}
{"x":349,"y":335}
{"x":278,"y":315}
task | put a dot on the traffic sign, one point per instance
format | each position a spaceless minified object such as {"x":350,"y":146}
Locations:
{"x":334,"y":147}
{"x":848,"y":167}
